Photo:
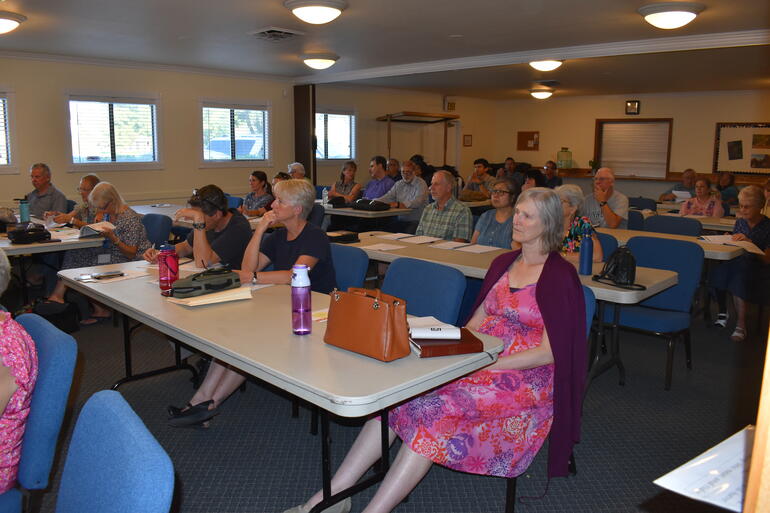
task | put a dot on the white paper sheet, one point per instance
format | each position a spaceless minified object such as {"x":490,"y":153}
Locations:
{"x":450,"y":244}
{"x":394,"y":236}
{"x":681,"y":196}
{"x":477,"y":248}
{"x":383,"y":247}
{"x":718,"y":475}
{"x":65,"y":233}
{"x":420,"y":239}
{"x":727,"y":240}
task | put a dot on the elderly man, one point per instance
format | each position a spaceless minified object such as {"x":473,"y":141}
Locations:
{"x":606,"y":207}
{"x":477,"y":187}
{"x":552,"y":178}
{"x":393,"y":169}
{"x":445,"y":218}
{"x":45,"y":197}
{"x":411,"y":192}
{"x":687,"y":185}
{"x":380,"y":182}
{"x":297,"y":171}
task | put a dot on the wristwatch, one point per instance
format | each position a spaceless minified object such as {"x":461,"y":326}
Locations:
{"x":199,"y":226}
{"x":601,"y":204}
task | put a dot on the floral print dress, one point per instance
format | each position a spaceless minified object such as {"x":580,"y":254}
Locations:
{"x":491,"y":422}
{"x":580,"y":227}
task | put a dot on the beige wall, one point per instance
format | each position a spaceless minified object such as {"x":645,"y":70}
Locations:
{"x":40,"y":89}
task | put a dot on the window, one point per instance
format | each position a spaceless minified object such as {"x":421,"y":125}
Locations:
{"x":235,"y":133}
{"x":5,"y":141}
{"x":112,"y":130}
{"x":335,"y":134}
{"x":638,"y":148}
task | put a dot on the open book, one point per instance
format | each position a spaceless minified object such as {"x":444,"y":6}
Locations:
{"x":95,"y":229}
{"x":727,"y":240}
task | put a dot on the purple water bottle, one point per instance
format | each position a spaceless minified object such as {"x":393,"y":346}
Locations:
{"x":586,"y":255}
{"x":168,"y":268}
{"x":300,"y":300}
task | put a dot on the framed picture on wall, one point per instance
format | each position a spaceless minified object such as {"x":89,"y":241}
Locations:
{"x":467,"y":140}
{"x":633,"y":107}
{"x":742,"y":148}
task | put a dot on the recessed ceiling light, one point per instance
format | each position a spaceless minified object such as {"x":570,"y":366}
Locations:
{"x":316,"y":12}
{"x":548,"y":65}
{"x":10,"y":20}
{"x":541,"y":94}
{"x":320,"y":60}
{"x":670,"y":15}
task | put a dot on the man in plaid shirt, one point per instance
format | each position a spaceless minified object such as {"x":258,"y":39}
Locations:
{"x":445,"y":218}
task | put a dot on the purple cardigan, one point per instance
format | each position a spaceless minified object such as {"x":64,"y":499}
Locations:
{"x":559,"y":296}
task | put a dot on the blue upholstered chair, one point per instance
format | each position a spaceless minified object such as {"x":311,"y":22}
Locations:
{"x":668,"y":313}
{"x":429,"y":289}
{"x":71,"y":205}
{"x":643,"y":203}
{"x":609,"y":244}
{"x":56,"y":353}
{"x":319,"y":190}
{"x":114,"y":464}
{"x":635,"y":220}
{"x":316,"y":217}
{"x":673,"y":224}
{"x":234,"y":201}
{"x":350,"y":265}
{"x":158,"y":228}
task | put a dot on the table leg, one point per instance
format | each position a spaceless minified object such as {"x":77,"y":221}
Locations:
{"x":614,"y":358}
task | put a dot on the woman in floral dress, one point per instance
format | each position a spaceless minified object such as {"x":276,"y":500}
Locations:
{"x":495,"y":420}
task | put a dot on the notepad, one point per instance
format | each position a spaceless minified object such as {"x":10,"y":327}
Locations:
{"x":450,"y":244}
{"x":419,"y":239}
{"x":477,"y":248}
{"x":727,"y":240}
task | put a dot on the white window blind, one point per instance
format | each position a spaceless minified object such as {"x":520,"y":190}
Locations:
{"x":233,"y":133}
{"x":635,"y":148}
{"x":335,"y":135}
{"x":113,"y":130}
{"x":5,"y":143}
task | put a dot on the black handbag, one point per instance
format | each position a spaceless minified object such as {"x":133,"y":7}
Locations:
{"x":620,"y":270}
{"x":370,"y":205}
{"x":28,"y":233}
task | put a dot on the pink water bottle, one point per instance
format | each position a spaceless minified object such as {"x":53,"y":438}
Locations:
{"x":301,"y":317}
{"x":168,"y":268}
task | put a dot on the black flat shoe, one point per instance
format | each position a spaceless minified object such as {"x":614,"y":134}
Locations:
{"x":194,"y":416}
{"x":173,"y":411}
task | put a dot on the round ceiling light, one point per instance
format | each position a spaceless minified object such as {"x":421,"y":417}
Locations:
{"x":670,"y":15}
{"x":316,"y":12}
{"x":541,"y":94}
{"x":320,"y":60}
{"x":548,"y":65}
{"x":10,"y":20}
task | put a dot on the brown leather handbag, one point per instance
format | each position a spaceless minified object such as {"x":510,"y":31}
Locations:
{"x":368,"y":322}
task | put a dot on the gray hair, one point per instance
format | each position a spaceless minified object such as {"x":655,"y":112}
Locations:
{"x":510,"y":186}
{"x":753,"y":194}
{"x":297,"y":193}
{"x":104,"y":192}
{"x":5,"y":271}
{"x":571,"y":193}
{"x":296,"y":165}
{"x":44,"y":167}
{"x":548,"y":205}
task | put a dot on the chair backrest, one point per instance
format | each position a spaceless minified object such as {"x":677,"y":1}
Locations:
{"x":56,"y":354}
{"x":350,"y":266}
{"x":673,"y":224}
{"x":726,"y":208}
{"x":635,"y":220}
{"x":319,"y":191}
{"x":114,"y":464}
{"x":609,"y":244}
{"x":234,"y":201}
{"x":642,"y":203}
{"x":428,"y":288}
{"x":686,"y":258}
{"x":71,"y":205}
{"x":316,"y":217}
{"x":158,"y":228}
{"x":590,"y":300}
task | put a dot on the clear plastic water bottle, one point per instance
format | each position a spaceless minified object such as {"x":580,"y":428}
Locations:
{"x":586,"y":255}
{"x":301,"y":317}
{"x":168,"y":268}
{"x":23,"y":210}
{"x":325,"y":196}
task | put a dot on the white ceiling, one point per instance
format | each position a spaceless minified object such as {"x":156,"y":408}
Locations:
{"x":377,"y":39}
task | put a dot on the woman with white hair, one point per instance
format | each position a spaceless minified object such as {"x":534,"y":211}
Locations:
{"x":739,"y":275}
{"x":18,"y":374}
{"x":576,"y":228}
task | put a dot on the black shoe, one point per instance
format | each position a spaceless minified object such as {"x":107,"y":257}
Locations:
{"x":48,"y":307}
{"x":194,"y":415}
{"x":173,"y":411}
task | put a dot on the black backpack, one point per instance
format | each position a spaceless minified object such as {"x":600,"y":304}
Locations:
{"x":370,"y":205}
{"x":620,"y":270}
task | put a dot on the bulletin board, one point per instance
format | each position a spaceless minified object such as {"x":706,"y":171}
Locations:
{"x":742,"y":148}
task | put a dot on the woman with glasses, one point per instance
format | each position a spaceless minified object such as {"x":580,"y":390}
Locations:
{"x":576,"y":228}
{"x":494,"y":226}
{"x":84,"y":213}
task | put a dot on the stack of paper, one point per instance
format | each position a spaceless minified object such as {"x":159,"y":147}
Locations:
{"x":727,"y":240}
{"x":419,"y":239}
{"x":216,"y":297}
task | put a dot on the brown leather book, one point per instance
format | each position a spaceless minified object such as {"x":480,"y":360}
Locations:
{"x":428,"y":348}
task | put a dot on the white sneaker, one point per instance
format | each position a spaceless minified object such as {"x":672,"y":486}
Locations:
{"x":721,"y":321}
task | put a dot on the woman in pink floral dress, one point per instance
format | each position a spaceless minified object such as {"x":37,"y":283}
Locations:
{"x":495,"y":420}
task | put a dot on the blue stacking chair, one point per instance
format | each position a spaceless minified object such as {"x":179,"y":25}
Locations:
{"x":668,"y":313}
{"x":350,"y":265}
{"x":71,"y":206}
{"x":234,"y":201}
{"x":158,"y":228}
{"x":635,"y":220}
{"x":609,"y":244}
{"x":319,"y":190}
{"x":114,"y":464}
{"x":429,"y":289}
{"x":316,"y":217}
{"x":643,"y":203}
{"x":56,"y":354}
{"x":673,"y":224}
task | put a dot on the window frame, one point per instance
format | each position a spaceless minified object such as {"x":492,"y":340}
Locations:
{"x":11,"y":168}
{"x":354,"y":131}
{"x":119,"y":97}
{"x":219,"y":103}
{"x":668,"y":175}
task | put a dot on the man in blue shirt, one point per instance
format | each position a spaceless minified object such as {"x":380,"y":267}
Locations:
{"x":380,"y":182}
{"x":687,"y":185}
{"x":45,"y":197}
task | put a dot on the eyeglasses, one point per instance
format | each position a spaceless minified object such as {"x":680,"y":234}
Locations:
{"x":80,"y":189}
{"x":499,"y":192}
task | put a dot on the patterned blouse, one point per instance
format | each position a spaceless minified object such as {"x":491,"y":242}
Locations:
{"x":86,"y":213}
{"x":254,"y":202}
{"x":343,"y":188}
{"x":581,"y":227}
{"x":693,"y":206}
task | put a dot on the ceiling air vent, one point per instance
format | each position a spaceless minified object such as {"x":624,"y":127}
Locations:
{"x":276,"y":34}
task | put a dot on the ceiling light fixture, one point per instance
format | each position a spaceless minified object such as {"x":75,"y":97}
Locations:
{"x":670,"y":15}
{"x":320,"y":60}
{"x":10,"y":20}
{"x":316,"y":12}
{"x":548,"y":65}
{"x":541,"y":94}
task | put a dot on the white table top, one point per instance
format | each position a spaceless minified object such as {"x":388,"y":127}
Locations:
{"x":718,"y":224}
{"x":47,"y":247}
{"x":711,"y":251}
{"x":351,"y":212}
{"x":255,"y":336}
{"x":475,"y":265}
{"x":166,"y":209}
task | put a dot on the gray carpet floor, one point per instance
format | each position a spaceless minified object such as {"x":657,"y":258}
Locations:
{"x":256,"y":458}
